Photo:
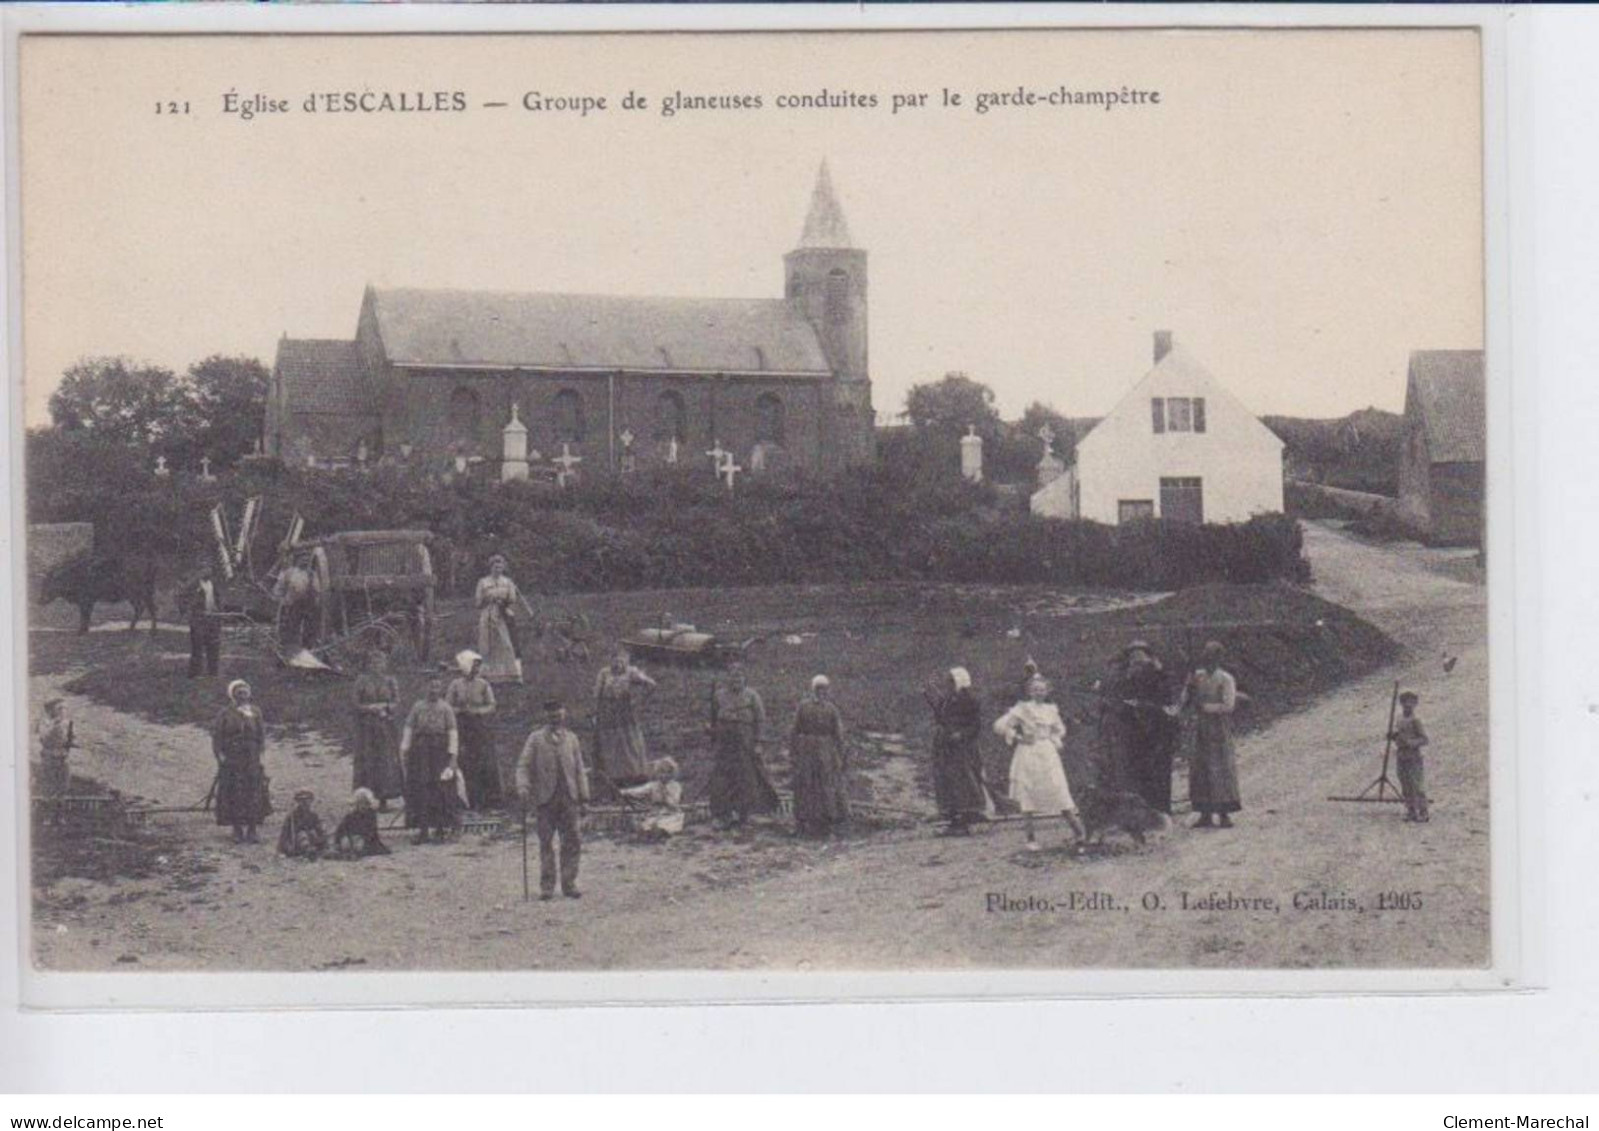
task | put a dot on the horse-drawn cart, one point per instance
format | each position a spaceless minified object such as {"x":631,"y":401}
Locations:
{"x":373,"y":583}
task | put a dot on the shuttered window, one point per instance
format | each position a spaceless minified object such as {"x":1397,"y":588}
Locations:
{"x":1199,"y":414}
{"x":1157,"y":411}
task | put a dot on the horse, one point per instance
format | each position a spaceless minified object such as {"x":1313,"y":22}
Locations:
{"x":89,"y":579}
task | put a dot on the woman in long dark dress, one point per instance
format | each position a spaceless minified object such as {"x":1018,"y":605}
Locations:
{"x":816,"y":753}
{"x":957,"y":761}
{"x":739,"y":786}
{"x":619,"y":739}
{"x":238,"y":741}
{"x":377,"y":764}
{"x":1143,"y":732}
{"x":1213,"y":771}
{"x":430,"y":745}
{"x":471,"y":697}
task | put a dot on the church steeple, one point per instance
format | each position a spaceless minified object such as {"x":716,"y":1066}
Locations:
{"x":825,"y":280}
{"x":824,"y":223}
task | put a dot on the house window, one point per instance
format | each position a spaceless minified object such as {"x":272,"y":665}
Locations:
{"x":1178,"y":414}
{"x":769,"y":419}
{"x":1182,"y":499}
{"x":670,"y":417}
{"x":568,"y":416}
{"x":1134,"y":510}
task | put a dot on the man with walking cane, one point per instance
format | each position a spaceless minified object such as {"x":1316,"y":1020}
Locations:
{"x":552,"y":777}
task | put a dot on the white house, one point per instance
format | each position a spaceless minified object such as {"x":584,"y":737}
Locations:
{"x":1178,"y":446}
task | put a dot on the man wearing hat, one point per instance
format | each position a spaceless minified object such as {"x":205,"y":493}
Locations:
{"x":552,"y":778}
{"x":202,"y":600}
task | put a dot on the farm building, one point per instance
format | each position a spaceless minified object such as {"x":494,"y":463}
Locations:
{"x":1178,"y":446}
{"x":1441,"y":460}
{"x":434,"y":375}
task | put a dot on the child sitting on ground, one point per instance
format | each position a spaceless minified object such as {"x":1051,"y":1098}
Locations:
{"x":357,"y":832}
{"x":302,"y":836}
{"x":664,"y":796}
{"x":1409,"y":737}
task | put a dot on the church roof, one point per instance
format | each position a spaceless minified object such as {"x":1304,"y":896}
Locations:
{"x":824,"y":223}
{"x":500,"y":329}
{"x":1449,"y":399}
{"x":323,"y":376}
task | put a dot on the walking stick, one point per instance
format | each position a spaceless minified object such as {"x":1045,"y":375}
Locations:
{"x":526,"y":894}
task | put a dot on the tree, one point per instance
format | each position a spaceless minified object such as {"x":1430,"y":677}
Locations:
{"x":122,"y":402}
{"x":948,"y":407}
{"x":230,"y":396}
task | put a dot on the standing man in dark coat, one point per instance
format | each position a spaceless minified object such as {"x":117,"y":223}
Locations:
{"x":552,"y":777}
{"x":202,"y":599}
{"x":1145,"y":727}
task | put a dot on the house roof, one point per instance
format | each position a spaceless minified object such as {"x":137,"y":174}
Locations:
{"x":323,"y":376}
{"x":1449,"y":399}
{"x":501,"y":329}
{"x":1178,"y":365}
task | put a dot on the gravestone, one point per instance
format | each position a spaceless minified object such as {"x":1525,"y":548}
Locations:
{"x":972,"y":455}
{"x":513,"y":448}
{"x":1050,"y":466}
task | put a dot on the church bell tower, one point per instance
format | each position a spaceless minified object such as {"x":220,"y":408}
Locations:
{"x":825,"y":276}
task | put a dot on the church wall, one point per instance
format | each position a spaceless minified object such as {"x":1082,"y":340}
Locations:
{"x":429,"y":408}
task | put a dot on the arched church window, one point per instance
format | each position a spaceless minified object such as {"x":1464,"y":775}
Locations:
{"x":837,"y":295}
{"x":769,"y":419}
{"x":465,"y":411}
{"x":670,"y":417}
{"x":569,"y":416}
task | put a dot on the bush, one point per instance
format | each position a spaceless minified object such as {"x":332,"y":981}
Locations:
{"x":681,"y":528}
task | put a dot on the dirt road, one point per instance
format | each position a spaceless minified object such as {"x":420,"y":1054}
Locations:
{"x":894,"y":900}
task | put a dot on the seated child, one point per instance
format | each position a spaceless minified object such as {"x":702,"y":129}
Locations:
{"x":664,"y":796}
{"x":303,"y":836}
{"x":357,"y":832}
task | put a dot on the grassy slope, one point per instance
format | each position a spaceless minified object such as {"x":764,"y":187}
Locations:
{"x":879,"y":643}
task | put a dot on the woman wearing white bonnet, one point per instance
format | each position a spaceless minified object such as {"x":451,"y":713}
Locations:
{"x":957,"y":761}
{"x":238,"y":741}
{"x":816,"y":756}
{"x":471,"y":697}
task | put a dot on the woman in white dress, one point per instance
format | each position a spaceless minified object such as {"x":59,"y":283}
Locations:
{"x":1035,"y":732}
{"x":497,"y":598}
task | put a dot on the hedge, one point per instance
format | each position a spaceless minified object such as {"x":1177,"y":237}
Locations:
{"x":676,"y":529}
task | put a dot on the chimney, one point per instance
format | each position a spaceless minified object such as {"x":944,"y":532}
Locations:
{"x":1162,"y":344}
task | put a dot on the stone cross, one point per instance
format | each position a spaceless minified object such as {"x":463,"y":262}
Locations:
{"x":513,"y":448}
{"x":568,"y":461}
{"x":729,"y":469}
{"x":717,"y":456}
{"x":626,"y":437}
{"x":205,"y":469}
{"x":161,"y":466}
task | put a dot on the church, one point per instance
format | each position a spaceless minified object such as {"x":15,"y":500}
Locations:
{"x":434,"y":378}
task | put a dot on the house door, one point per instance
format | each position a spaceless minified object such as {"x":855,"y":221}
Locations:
{"x":1182,"y":500}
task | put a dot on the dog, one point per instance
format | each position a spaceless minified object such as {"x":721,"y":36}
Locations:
{"x":1111,"y":810}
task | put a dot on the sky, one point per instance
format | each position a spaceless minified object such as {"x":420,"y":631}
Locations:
{"x":1301,"y":208}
